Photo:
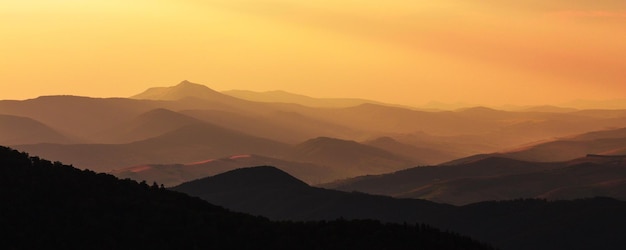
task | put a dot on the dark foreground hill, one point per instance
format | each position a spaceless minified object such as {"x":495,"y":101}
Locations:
{"x":49,"y":205}
{"x":595,"y":223}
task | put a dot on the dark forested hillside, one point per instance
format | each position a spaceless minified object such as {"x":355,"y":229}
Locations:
{"x":49,"y":205}
{"x":594,"y":223}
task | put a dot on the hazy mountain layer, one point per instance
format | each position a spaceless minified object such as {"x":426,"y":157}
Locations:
{"x":286,"y":97}
{"x":118,"y":132}
{"x":597,"y":142}
{"x":22,"y":130}
{"x":499,"y":179}
{"x":188,"y":144}
{"x":347,"y":157}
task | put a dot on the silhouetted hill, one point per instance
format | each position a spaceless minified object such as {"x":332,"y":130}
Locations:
{"x":188,"y":144}
{"x":22,"y":130}
{"x":271,"y":192}
{"x":52,"y":206}
{"x":175,"y":174}
{"x":518,"y":224}
{"x":349,"y":157}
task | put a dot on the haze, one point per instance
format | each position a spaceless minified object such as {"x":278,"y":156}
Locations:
{"x":406,"y":52}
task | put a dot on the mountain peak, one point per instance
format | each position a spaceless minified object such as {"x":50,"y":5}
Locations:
{"x":186,"y":83}
{"x":182,"y":90}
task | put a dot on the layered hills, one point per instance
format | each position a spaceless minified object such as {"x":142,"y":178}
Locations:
{"x":518,"y":224}
{"x":51,"y":205}
{"x":190,"y":122}
{"x":499,"y":179}
{"x":175,"y":174}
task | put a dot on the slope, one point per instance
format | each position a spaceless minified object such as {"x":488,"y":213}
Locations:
{"x":499,"y":179}
{"x":50,"y":205}
{"x":175,"y":174}
{"x":348,"y":157}
{"x":400,"y":182}
{"x":609,"y":141}
{"x":188,"y":144}
{"x":271,"y":192}
{"x":147,"y":125}
{"x":22,"y":130}
{"x":519,"y":224}
{"x":424,"y":155}
{"x":182,"y":90}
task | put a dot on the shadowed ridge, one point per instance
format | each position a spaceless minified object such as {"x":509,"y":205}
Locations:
{"x":270,"y":192}
{"x":175,"y":174}
{"x":252,"y":178}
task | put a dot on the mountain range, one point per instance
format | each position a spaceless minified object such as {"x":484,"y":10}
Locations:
{"x":189,"y":123}
{"x":538,"y":177}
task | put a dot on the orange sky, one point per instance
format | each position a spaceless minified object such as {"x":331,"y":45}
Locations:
{"x":409,"y":52}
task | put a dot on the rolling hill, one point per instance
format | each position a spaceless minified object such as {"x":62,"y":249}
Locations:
{"x":23,"y":130}
{"x":153,"y":123}
{"x":610,"y":141}
{"x":423,"y":155}
{"x":347,"y":157}
{"x":175,"y":174}
{"x":188,"y":144}
{"x":499,"y":179}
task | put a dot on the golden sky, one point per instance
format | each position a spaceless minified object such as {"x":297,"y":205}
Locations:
{"x":487,"y":52}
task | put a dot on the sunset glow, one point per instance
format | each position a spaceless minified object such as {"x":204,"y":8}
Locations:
{"x":406,"y":52}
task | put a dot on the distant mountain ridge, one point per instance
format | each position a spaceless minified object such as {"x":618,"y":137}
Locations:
{"x":497,"y":178}
{"x":350,"y":156}
{"x":286,"y":97}
{"x":610,"y":141}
